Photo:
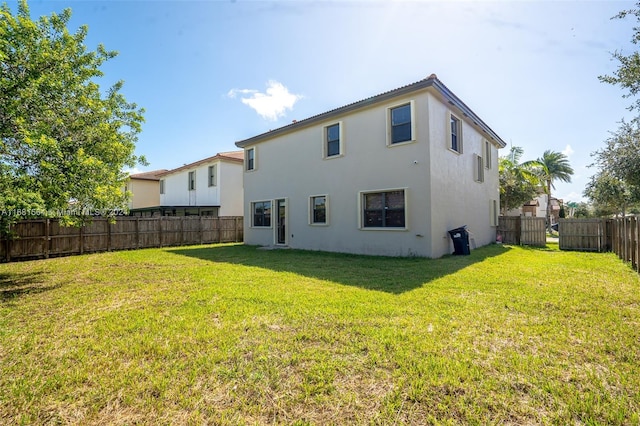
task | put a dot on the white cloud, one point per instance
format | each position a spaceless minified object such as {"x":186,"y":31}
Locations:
{"x":270,"y":105}
{"x":568,"y":151}
{"x":133,"y":171}
{"x":234,"y":92}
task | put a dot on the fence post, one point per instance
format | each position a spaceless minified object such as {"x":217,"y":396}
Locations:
{"x":46,"y":239}
{"x":137,"y":232}
{"x":637,"y":244}
{"x":8,"y":240}
{"x":633,"y":242}
{"x":160,"y":230}
{"x":200,"y":231}
{"x":235,"y":228}
{"x":627,"y":239}
{"x":81,"y":237}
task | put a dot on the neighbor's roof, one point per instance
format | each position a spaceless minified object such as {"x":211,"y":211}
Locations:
{"x":232,"y":156}
{"x":431,"y":81}
{"x":152,"y":175}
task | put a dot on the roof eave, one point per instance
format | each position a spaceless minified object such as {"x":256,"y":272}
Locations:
{"x":432,"y":81}
{"x":195,"y":164}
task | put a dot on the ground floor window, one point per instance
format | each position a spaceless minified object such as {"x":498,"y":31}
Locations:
{"x":385,"y":209}
{"x":261,"y":213}
{"x":319,"y":210}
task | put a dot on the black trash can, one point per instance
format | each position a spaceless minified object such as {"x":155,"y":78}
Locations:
{"x":460,"y":237}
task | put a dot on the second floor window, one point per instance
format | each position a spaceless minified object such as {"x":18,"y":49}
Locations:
{"x":250,"y":158}
{"x":401,"y":124}
{"x":479,"y":168}
{"x":487,"y":154}
{"x":333,"y":140}
{"x":192,"y":181}
{"x":456,"y":135}
{"x":212,"y":176}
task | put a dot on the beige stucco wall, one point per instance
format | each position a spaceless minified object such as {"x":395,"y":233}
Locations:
{"x":440,"y":192}
{"x":145,"y":193}
{"x":457,"y":198}
{"x":230,"y":187}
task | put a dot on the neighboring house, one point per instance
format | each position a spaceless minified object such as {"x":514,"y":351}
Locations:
{"x":145,"y":190}
{"x":209,"y":187}
{"x":530,"y":209}
{"x":538,"y":208}
{"x":388,"y":175}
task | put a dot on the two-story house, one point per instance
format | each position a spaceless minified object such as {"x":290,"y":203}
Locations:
{"x":209,"y":187}
{"x":388,"y":175}
{"x":145,"y":192}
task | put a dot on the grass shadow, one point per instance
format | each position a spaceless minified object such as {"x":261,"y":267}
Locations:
{"x":14,"y":285}
{"x":394,"y":275}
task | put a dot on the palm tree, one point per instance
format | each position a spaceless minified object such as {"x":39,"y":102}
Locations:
{"x":519,"y":182}
{"x":553,"y":166}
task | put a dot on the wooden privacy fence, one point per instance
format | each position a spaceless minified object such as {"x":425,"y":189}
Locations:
{"x":43,"y":238}
{"x":625,"y":240}
{"x":584,"y":234}
{"x":620,"y":235}
{"x":522,"y":230}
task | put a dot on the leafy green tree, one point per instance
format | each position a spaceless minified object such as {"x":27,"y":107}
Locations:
{"x":62,"y":140}
{"x":552,"y":166}
{"x":582,"y":210}
{"x":628,"y":73}
{"x":518,"y":181}
{"x":621,"y":154}
{"x":609,"y":195}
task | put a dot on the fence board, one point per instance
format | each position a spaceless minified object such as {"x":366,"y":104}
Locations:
{"x":46,"y":237}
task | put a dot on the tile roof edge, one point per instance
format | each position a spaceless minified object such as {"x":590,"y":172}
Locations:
{"x":431,"y":81}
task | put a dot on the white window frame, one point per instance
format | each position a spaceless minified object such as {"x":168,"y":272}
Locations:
{"x":361,"y":195}
{"x":246,"y":159}
{"x":271,"y":216}
{"x":478,"y":168}
{"x":414,"y":136}
{"x":459,"y":135}
{"x":191,"y":180}
{"x":325,"y":148}
{"x":212,"y":175}
{"x":487,"y":155}
{"x":326,"y":210}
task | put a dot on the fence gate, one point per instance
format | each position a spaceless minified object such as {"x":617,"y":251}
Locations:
{"x":533,"y":231}
{"x":583,"y":234}
{"x":522,"y":230}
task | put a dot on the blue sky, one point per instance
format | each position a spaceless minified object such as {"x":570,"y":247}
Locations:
{"x":210,"y":73}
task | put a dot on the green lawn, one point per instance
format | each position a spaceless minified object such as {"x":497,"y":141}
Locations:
{"x":230,"y":334}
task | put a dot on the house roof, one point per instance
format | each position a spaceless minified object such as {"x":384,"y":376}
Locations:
{"x":232,"y":156}
{"x":151,"y":175}
{"x":430,"y":82}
